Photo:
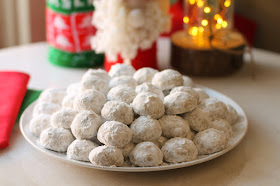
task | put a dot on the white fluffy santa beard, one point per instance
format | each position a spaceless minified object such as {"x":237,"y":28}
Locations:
{"x":124,"y":26}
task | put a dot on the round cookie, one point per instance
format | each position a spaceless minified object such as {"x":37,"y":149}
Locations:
{"x":80,"y":149}
{"x":90,"y":100}
{"x":114,"y":133}
{"x":117,"y":111}
{"x":73,"y":88}
{"x":121,"y":93}
{"x":217,"y":109}
{"x":224,"y":126}
{"x":177,"y":150}
{"x":179,"y":103}
{"x":85,"y":125}
{"x":99,"y":73}
{"x":56,"y":139}
{"x":144,"y":75}
{"x":52,"y":95}
{"x":106,"y":156}
{"x":45,"y":108}
{"x":95,"y":83}
{"x":123,"y":80}
{"x":210,"y":141}
{"x":146,"y":154}
{"x":63,"y":118}
{"x":127,"y":149}
{"x":232,"y":115}
{"x":198,"y":119}
{"x":39,"y":123}
{"x":174,"y":126}
{"x":188,"y":82}
{"x":168,"y":79}
{"x":68,"y":101}
{"x":147,"y":87}
{"x":201,"y":94}
{"x":148,"y":104}
{"x":145,"y":129}
{"x":121,"y":70}
{"x":187,"y":90}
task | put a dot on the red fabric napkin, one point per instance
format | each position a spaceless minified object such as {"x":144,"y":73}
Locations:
{"x":13,"y":86}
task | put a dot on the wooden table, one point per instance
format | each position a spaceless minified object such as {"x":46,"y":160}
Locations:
{"x":255,"y":161}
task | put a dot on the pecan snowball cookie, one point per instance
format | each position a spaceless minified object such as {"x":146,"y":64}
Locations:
{"x":148,"y":104}
{"x":85,"y":125}
{"x":117,"y":111}
{"x":73,"y":88}
{"x":99,"y":73}
{"x":52,"y":95}
{"x":80,"y":149}
{"x":179,"y":103}
{"x":177,"y":150}
{"x":185,"y":89}
{"x":68,"y":101}
{"x":127,"y":149}
{"x":123,"y":80}
{"x":148,"y":87}
{"x":63,"y":118}
{"x":144,"y":75}
{"x":210,"y":141}
{"x":168,"y":79}
{"x":146,"y":154}
{"x":114,"y":133}
{"x":56,"y":139}
{"x":121,"y":70}
{"x":122,"y":93}
{"x":39,"y":123}
{"x":201,"y":94}
{"x":232,"y":115}
{"x":90,"y":100}
{"x":106,"y":156}
{"x":145,"y":129}
{"x":216,"y":108}
{"x":198,"y":119}
{"x":174,"y":126}
{"x":188,"y":82}
{"x":95,"y":83}
{"x":224,"y":126}
{"x":45,"y":108}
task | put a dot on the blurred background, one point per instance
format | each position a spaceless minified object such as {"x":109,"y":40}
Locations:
{"x":23,"y":21}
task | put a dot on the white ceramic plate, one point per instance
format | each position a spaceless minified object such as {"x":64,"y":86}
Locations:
{"x":239,"y":131}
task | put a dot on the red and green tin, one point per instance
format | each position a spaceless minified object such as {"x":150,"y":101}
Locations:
{"x":69,"y":29}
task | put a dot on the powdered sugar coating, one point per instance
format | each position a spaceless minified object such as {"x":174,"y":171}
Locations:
{"x":114,"y":133}
{"x":117,"y":111}
{"x":121,"y":70}
{"x":174,"y":126}
{"x":85,"y":125}
{"x":127,"y":149}
{"x":68,"y":101}
{"x":148,"y":87}
{"x":188,"y":82}
{"x":90,"y":100}
{"x":73,"y":88}
{"x":39,"y":123}
{"x":210,"y":141}
{"x":99,"y":73}
{"x":216,"y":108}
{"x":80,"y":149}
{"x":45,"y":108}
{"x":144,"y":75}
{"x":148,"y":104}
{"x":145,"y":129}
{"x":179,"y":103}
{"x":52,"y":95}
{"x":232,"y":115}
{"x":63,"y":118}
{"x":201,"y":93}
{"x":95,"y":83}
{"x":224,"y":126}
{"x":167,"y":79}
{"x":177,"y":150}
{"x":146,"y":154}
{"x":123,"y":80}
{"x":185,"y":89}
{"x":106,"y":156}
{"x":121,"y":93}
{"x":56,"y":139}
{"x":198,"y":119}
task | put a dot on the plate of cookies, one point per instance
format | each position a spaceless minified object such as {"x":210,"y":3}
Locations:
{"x":134,"y":121}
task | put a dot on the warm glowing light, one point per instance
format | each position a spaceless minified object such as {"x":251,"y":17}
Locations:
{"x":204,"y":22}
{"x":227,"y":3}
{"x":200,"y":3}
{"x":224,"y":24}
{"x":186,"y":19}
{"x":191,"y":2}
{"x":217,"y":16}
{"x":201,"y":29}
{"x":207,"y":9}
{"x":220,"y":21}
{"x":194,"y":31}
{"x":218,"y":26}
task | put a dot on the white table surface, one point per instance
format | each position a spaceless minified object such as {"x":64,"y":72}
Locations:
{"x":255,"y":161}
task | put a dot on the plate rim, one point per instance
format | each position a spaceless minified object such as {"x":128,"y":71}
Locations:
{"x":140,"y":169}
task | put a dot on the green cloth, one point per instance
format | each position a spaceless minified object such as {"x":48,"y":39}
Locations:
{"x":30,"y":97}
